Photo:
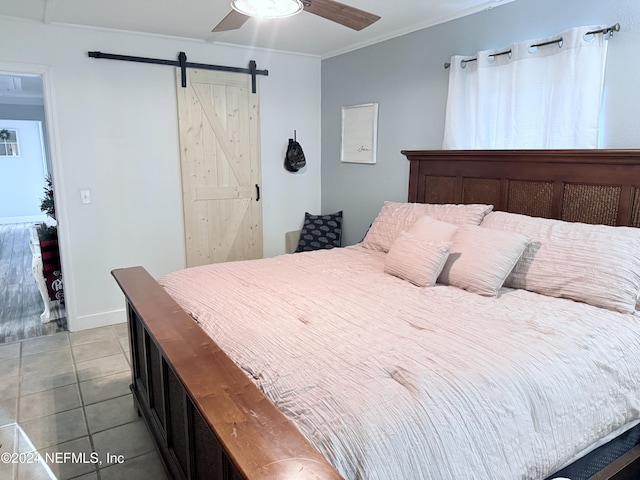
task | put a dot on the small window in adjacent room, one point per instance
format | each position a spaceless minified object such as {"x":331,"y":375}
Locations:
{"x":9,"y":143}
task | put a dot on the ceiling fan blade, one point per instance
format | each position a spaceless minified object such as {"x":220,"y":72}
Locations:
{"x":232,"y":21}
{"x":340,"y":13}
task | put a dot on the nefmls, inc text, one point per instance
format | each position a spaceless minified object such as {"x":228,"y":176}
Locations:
{"x":81,"y":457}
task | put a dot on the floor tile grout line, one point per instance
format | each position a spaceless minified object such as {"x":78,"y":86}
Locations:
{"x":113,"y":334}
{"x":77,"y":384}
{"x":84,"y":412}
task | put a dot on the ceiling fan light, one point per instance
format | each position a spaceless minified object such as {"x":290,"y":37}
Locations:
{"x":267,"y":8}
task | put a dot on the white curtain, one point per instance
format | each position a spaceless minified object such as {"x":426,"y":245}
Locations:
{"x":546,"y":97}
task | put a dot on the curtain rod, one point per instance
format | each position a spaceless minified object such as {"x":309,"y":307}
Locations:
{"x":605,"y":31}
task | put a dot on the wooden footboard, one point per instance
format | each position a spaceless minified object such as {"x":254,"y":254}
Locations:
{"x":207,"y":419}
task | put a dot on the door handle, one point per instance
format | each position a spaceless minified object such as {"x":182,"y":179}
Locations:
{"x":257,"y":192}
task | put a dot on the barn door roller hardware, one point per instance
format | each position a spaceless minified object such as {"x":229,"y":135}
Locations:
{"x":183,"y":64}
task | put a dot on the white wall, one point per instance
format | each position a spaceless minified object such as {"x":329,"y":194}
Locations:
{"x":22,"y":178}
{"x":114,"y":132}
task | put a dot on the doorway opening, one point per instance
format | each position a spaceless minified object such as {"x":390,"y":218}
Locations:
{"x":31,"y":282}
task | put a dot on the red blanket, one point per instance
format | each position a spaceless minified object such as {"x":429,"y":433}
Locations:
{"x":51,"y":269}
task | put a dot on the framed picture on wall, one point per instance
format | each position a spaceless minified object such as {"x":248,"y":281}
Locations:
{"x":9,"y":143}
{"x":359,"y":133}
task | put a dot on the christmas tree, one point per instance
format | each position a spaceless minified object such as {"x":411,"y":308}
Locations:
{"x":48,"y":232}
{"x":47,"y":204}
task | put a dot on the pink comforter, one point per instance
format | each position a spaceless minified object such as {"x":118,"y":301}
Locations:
{"x":392,"y":381}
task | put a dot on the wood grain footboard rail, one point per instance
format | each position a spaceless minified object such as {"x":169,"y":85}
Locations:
{"x":207,"y":419}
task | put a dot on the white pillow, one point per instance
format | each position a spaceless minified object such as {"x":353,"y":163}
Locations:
{"x":415,"y":260}
{"x":480,"y":259}
{"x":428,"y":228}
{"x":594,"y":264}
{"x":398,"y":217}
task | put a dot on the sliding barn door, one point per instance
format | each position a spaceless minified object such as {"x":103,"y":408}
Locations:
{"x":220,"y":160}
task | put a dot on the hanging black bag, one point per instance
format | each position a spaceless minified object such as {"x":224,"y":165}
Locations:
{"x":294,"y":158}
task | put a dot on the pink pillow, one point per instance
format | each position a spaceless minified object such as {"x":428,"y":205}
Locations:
{"x":594,"y":264}
{"x":428,"y":228}
{"x":399,"y":217}
{"x":480,"y":259}
{"x":415,"y":260}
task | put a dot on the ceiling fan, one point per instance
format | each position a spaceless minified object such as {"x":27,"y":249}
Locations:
{"x":330,"y":9}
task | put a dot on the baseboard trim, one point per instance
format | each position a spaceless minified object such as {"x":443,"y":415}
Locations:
{"x":102,"y":319}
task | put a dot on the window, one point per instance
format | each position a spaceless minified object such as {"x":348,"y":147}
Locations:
{"x":9,"y":143}
{"x":534,"y":94}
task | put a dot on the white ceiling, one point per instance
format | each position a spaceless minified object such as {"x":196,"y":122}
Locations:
{"x":20,"y":89}
{"x":303,"y":33}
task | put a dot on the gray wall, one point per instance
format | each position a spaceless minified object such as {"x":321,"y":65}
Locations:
{"x":406,"y":77}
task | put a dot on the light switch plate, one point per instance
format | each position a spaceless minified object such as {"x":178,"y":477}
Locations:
{"x":85,"y":196}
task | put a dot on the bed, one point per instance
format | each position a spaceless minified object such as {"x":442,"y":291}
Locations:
{"x":214,"y":417}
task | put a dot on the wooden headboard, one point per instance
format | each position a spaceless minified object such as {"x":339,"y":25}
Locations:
{"x":590,"y":186}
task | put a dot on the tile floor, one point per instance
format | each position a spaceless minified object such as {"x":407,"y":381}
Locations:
{"x":66,"y":411}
